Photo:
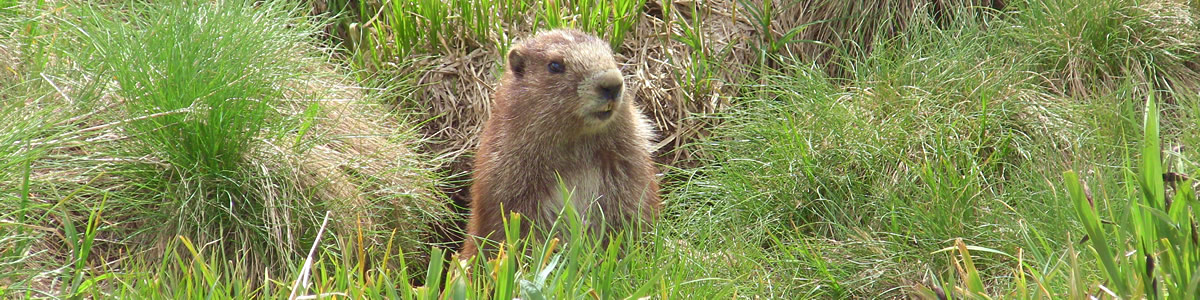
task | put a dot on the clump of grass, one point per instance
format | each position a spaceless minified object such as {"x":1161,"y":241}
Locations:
{"x":1092,"y":46}
{"x":1150,"y":252}
{"x":698,"y":71}
{"x":137,"y":135}
{"x":930,"y":139}
{"x":756,"y":182}
{"x":394,"y":30}
{"x":762,"y":15}
{"x":480,"y":19}
{"x":415,"y":24}
{"x":199,"y":84}
{"x":835,"y":33}
{"x":385,"y":32}
{"x":611,"y":20}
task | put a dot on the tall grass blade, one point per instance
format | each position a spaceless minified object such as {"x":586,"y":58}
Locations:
{"x":1091,"y":224}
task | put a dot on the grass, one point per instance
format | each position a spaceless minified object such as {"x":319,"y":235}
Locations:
{"x":127,"y":137}
{"x":940,"y":134}
{"x":379,"y":33}
{"x":611,"y":20}
{"x":1092,"y":44}
{"x":213,"y":149}
{"x":198,"y":87}
{"x":1159,"y":231}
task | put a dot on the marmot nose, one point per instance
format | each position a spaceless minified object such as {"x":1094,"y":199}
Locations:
{"x":609,"y":91}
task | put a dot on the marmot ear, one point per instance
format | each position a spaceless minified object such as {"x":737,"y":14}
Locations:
{"x":516,"y":62}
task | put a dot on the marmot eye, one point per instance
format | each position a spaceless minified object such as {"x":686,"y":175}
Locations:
{"x":556,"y":67}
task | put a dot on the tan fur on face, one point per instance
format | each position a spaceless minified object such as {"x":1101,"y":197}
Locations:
{"x":546,"y":124}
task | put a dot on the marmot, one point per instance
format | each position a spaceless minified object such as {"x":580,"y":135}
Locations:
{"x":561,"y":111}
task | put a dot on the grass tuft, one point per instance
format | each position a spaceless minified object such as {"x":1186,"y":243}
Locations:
{"x":199,"y":85}
{"x":1090,"y":46}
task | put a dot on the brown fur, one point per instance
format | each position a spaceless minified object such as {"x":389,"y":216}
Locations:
{"x":547,"y":125}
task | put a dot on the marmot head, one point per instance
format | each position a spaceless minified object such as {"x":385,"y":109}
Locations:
{"x":572,"y":72}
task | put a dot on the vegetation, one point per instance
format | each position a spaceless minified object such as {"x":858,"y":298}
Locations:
{"x":953,"y":149}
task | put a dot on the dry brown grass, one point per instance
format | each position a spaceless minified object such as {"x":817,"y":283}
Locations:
{"x":655,"y":63}
{"x":362,"y":165}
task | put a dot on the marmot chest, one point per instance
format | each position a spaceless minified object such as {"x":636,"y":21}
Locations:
{"x":584,"y":186}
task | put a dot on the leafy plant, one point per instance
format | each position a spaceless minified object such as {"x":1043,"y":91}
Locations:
{"x":698,"y":74}
{"x":1154,"y":254}
{"x":762,"y":16}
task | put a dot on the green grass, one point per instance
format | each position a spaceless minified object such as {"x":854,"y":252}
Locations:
{"x":198,"y":88}
{"x":610,"y":20}
{"x":1160,"y":233}
{"x":134,"y":125}
{"x":175,"y":150}
{"x":939,"y":134}
{"x":575,"y":265}
{"x":380,"y":33}
{"x":1091,"y":45}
